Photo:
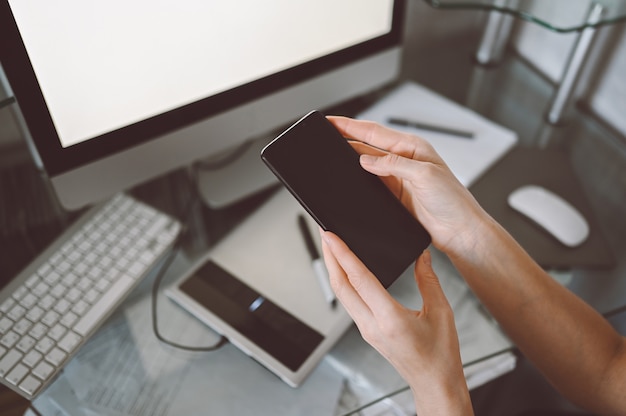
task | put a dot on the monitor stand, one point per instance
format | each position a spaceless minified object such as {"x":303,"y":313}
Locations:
{"x":244,"y":176}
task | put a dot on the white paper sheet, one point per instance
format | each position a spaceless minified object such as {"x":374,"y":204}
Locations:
{"x":467,"y":158}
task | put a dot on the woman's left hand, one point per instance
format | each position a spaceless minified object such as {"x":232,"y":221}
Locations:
{"x":422,"y":345}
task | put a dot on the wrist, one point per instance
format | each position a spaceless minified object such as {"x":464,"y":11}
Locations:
{"x":477,"y":227}
{"x":443,"y":399}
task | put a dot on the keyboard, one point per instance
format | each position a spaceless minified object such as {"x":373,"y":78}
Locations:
{"x":53,"y":306}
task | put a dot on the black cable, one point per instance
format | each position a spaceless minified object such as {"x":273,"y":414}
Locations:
{"x":7,"y":102}
{"x":165,"y":266}
{"x":33,"y":409}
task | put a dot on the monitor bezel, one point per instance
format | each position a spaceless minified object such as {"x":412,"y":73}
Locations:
{"x":57,"y":159}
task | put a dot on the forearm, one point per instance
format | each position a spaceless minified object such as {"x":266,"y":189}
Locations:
{"x":567,"y":340}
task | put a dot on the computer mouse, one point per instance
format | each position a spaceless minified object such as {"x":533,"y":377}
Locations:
{"x":551,"y":212}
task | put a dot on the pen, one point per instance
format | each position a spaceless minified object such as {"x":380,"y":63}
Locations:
{"x":316,"y":261}
{"x":430,"y":127}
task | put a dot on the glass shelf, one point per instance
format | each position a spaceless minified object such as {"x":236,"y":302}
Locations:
{"x":548,"y":14}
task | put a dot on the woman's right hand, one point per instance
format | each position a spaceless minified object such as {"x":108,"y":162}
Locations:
{"x":422,"y":181}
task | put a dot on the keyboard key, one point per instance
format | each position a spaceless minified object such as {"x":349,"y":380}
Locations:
{"x":17,"y":312}
{"x":67,"y":248}
{"x":43,"y":370}
{"x":56,"y":258}
{"x":62,"y":307}
{"x":81,"y":307}
{"x":44,"y":345}
{"x":103,"y":306}
{"x":26,"y":343}
{"x":22,"y":326}
{"x":38,"y":331}
{"x":44,"y":269}
{"x":7,"y":305}
{"x":50,"y":318}
{"x":56,"y":357}
{"x":41,"y":289}
{"x":81,"y":269}
{"x":105,"y":262}
{"x":91,"y":296}
{"x":5,"y":324}
{"x":74,"y":256}
{"x":8,"y":361}
{"x":57,"y":331}
{"x":17,"y":374}
{"x":102,"y":285}
{"x":30,"y":385}
{"x":52,"y":277}
{"x":73,"y":295}
{"x":136,"y":269}
{"x":35,"y":314}
{"x":70,"y":342}
{"x":95,"y":273}
{"x":63,"y":267}
{"x":58,"y":291}
{"x":47,"y":301}
{"x":69,"y":279}
{"x":32,"y":358}
{"x":29,"y":301}
{"x":69,"y":319}
{"x":31,"y":281}
{"x":20,"y":292}
{"x":84,"y":283}
{"x":9,"y":339}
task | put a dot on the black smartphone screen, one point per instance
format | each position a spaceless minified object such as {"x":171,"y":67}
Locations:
{"x":320,"y":168}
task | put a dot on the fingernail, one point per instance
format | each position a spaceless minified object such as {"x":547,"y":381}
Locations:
{"x":426,"y":257}
{"x":367,"y":159}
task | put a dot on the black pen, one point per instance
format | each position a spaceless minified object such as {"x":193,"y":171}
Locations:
{"x":423,"y":126}
{"x":316,"y":261}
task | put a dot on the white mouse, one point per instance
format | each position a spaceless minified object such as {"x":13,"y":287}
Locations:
{"x":551,"y":212}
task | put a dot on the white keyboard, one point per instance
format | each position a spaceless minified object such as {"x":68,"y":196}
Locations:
{"x":50,"y":309}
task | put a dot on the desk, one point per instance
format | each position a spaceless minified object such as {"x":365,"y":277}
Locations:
{"x":597,"y":155}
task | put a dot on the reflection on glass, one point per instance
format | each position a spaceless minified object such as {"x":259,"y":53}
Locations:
{"x":556,"y":15}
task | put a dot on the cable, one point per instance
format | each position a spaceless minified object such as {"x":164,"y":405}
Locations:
{"x":33,"y":409}
{"x":165,"y":266}
{"x":7,"y":102}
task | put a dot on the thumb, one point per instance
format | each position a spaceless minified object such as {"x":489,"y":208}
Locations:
{"x":428,"y":282}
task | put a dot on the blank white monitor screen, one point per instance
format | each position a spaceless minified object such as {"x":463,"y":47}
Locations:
{"x":103,"y":77}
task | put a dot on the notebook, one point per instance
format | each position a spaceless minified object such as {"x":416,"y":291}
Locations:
{"x":467,"y":158}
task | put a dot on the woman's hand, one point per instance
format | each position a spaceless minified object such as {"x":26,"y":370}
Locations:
{"x":418,"y":176}
{"x":422,"y":345}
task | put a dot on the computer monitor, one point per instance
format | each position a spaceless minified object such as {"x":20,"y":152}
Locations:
{"x":115,"y":93}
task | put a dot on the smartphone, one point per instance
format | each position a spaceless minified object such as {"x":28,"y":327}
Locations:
{"x":322,"y":171}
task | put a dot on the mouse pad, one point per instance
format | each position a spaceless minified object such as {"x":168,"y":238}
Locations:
{"x":551,"y":170}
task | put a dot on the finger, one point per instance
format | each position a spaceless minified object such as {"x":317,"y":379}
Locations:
{"x":365,"y":149}
{"x":349,"y":298}
{"x":428,"y":282}
{"x":379,"y":136}
{"x":364,"y":283}
{"x":395,"y":165}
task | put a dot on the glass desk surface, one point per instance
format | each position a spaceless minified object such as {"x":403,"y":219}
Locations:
{"x":545,"y":13}
{"x":126,"y":381}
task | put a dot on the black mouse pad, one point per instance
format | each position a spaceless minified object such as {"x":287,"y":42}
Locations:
{"x":551,"y":170}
